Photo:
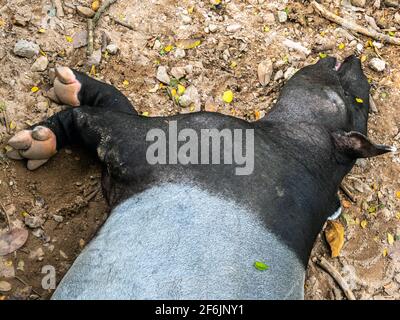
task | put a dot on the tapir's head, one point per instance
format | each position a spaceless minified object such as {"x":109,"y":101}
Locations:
{"x":333,"y":96}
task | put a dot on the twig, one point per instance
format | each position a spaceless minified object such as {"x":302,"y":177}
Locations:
{"x":27,"y":284}
{"x":92,"y":194}
{"x":347,"y":192}
{"x":89,"y":49}
{"x":92,"y":23}
{"x":122,"y":23}
{"x":100,"y":11}
{"x":324,"y":264}
{"x":6,"y":215}
{"x":354,"y":26}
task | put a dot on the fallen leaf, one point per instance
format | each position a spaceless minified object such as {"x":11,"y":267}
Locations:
{"x":334,"y":234}
{"x":260,"y":266}
{"x":346,"y":204}
{"x":364,"y":224}
{"x":390,"y":238}
{"x":363,"y":58}
{"x":385,"y":252}
{"x":12,"y":240}
{"x":227,"y":96}
{"x":188,"y":43}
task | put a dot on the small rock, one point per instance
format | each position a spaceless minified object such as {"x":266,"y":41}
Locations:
{"x":82,"y":243}
{"x":358,"y":3}
{"x":213,"y":28}
{"x":85,"y":11}
{"x":40,"y":64}
{"x":38,"y":233}
{"x":264,"y":72}
{"x":33,"y":221}
{"x":289,"y":73}
{"x":79,"y":39}
{"x":359,"y":48}
{"x":42,"y":106}
{"x":377,"y":44}
{"x":191,"y":96}
{"x":5,"y":286}
{"x":37,"y":254}
{"x":162,"y":75}
{"x":269,"y":18}
{"x":112,"y":48}
{"x":282,"y":16}
{"x":94,"y":59}
{"x":377,"y":64}
{"x":178,"y":72}
{"x":186,"y":19}
{"x":278,"y":75}
{"x":27,"y":49}
{"x":188,"y":69}
{"x":397,"y":17}
{"x":233,"y":27}
{"x":62,"y":254}
{"x":58,"y":218}
{"x":179,"y":53}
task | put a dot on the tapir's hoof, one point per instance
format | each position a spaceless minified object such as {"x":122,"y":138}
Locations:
{"x":66,"y":87}
{"x":37,"y":145}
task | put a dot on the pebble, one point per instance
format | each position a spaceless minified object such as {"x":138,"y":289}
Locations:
{"x":233,"y":27}
{"x":278,"y":75}
{"x":37,"y":254}
{"x":40,"y":64}
{"x":397,"y":17}
{"x":85,"y":11}
{"x":33,"y":221}
{"x":264,"y":72}
{"x":179,"y":53}
{"x":79,"y":39}
{"x":178,"y":72}
{"x":186,"y":19}
{"x":269,"y":18}
{"x":5,"y":286}
{"x":94,"y":59}
{"x":358,"y":3}
{"x":289,"y":73}
{"x":213,"y":28}
{"x":190,"y":96}
{"x":26,"y":49}
{"x":359,"y":48}
{"x":62,"y":254}
{"x":377,"y":64}
{"x":58,"y":218}
{"x":112,"y":48}
{"x":162,"y":75}
{"x":282,"y":16}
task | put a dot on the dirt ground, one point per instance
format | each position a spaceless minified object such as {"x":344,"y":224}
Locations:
{"x":235,"y":37}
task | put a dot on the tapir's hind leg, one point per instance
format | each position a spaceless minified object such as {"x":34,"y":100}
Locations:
{"x":77,"y":89}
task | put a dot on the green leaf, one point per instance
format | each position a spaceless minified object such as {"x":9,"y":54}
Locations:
{"x":260,"y":266}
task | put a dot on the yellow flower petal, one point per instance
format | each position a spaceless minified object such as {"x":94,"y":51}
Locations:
{"x":69,"y":39}
{"x":385,"y":252}
{"x":125,"y":83}
{"x":42,"y":30}
{"x":181,"y":89}
{"x":34,"y":89}
{"x":341,"y":46}
{"x":364,"y":224}
{"x":359,"y":100}
{"x":390,"y":238}
{"x":227,"y":96}
{"x":145,"y":113}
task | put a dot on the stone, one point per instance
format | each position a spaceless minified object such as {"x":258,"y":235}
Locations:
{"x":178,"y":72}
{"x":186,"y":19}
{"x":85,"y":11}
{"x":282,"y":16}
{"x":58,"y":218}
{"x":264,"y":72}
{"x":40,"y":64}
{"x":26,"y":49}
{"x":179,"y":53}
{"x":278,"y":75}
{"x":33,"y":221}
{"x":112,"y":48}
{"x":233,"y":27}
{"x":213,"y":28}
{"x":289,"y":73}
{"x":191,"y":96}
{"x":377,"y":64}
{"x":5,"y":286}
{"x":162,"y":75}
{"x":94,"y":59}
{"x":269,"y":18}
{"x":79,"y":39}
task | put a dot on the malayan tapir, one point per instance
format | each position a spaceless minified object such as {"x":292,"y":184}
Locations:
{"x":194,"y":229}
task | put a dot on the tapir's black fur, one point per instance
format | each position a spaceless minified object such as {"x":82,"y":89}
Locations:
{"x":303,"y":148}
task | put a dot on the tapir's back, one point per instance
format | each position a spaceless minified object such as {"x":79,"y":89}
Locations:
{"x":181,"y":242}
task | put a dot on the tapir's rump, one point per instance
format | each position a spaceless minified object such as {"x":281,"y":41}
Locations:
{"x":181,"y":242}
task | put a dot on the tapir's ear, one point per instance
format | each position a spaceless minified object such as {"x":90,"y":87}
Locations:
{"x":356,"y":145}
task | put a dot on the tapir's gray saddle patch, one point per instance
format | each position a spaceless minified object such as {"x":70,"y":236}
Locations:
{"x":181,"y":242}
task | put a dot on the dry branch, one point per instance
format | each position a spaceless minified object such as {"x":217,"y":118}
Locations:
{"x":354,"y":26}
{"x":324,"y":264}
